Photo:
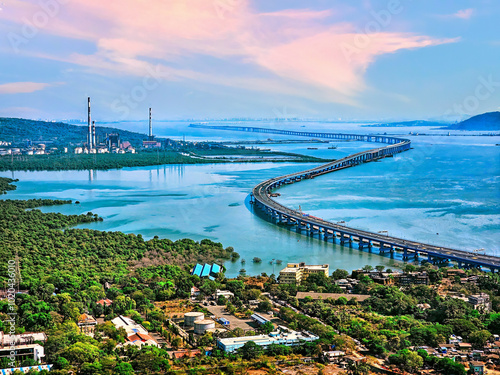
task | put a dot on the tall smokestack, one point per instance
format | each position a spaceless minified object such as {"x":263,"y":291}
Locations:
{"x":90,"y":128}
{"x":94,"y":143}
{"x":150,"y":126}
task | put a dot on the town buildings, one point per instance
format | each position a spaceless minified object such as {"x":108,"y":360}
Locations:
{"x":297,"y":273}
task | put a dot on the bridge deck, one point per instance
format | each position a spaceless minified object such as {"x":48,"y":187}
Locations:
{"x":261,"y":195}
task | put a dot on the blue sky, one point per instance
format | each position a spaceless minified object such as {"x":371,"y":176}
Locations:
{"x":201,"y":59}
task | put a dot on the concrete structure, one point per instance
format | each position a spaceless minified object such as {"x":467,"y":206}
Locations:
{"x":201,"y":326}
{"x":191,"y":317}
{"x":296,"y":273}
{"x":283,"y":336}
{"x":261,"y":197}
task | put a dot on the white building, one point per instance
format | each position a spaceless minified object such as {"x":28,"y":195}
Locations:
{"x":283,"y":336}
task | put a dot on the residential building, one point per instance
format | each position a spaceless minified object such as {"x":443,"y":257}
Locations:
{"x":105,"y":302}
{"x":413,"y":278}
{"x":224,"y":293}
{"x":455,"y":340}
{"x":86,"y":324}
{"x":477,"y":367}
{"x":283,"y":336}
{"x":140,"y":339}
{"x":296,"y":273}
{"x":333,"y":356}
{"x":480,"y":302}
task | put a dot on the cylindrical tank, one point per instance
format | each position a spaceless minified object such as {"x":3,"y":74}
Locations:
{"x":191,"y":317}
{"x":200,"y":326}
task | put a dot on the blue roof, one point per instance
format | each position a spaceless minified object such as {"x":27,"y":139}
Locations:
{"x":215,"y":269}
{"x":197,"y":270}
{"x":259,"y":318}
{"x":206,"y":270}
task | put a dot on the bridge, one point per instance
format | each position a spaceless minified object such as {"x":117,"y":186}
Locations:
{"x":261,"y":197}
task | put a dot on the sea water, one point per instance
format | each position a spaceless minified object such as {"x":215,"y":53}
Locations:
{"x":443,"y":191}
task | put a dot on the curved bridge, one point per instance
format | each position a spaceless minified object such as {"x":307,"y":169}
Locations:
{"x":261,"y":196}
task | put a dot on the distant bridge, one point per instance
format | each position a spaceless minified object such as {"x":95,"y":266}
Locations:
{"x":261,"y":196}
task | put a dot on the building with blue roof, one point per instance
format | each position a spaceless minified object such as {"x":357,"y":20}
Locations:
{"x":206,"y":270}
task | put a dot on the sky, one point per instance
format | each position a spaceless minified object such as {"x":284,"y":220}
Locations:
{"x":209,"y":59}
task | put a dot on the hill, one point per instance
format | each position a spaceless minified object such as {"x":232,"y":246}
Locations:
{"x":489,"y":121}
{"x":18,"y":130}
{"x":404,"y":124}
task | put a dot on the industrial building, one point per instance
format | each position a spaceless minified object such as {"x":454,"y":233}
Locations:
{"x":129,"y":325}
{"x":297,"y":273}
{"x":206,"y":270}
{"x":283,"y":336}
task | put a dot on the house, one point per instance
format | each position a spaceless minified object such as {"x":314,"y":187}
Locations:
{"x":140,"y":339}
{"x":333,"y":356}
{"x":465,"y":347}
{"x":86,"y":324}
{"x":105,"y":302}
{"x":455,"y":340}
{"x":195,"y":291}
{"x":224,"y":293}
{"x":480,"y":302}
{"x":455,"y":272}
{"x":477,"y":367}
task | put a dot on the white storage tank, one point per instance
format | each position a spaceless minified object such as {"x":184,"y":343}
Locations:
{"x":200,"y":326}
{"x":191,"y":317}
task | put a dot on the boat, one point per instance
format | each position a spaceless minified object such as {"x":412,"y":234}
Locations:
{"x":332,"y":147}
{"x":312,"y":148}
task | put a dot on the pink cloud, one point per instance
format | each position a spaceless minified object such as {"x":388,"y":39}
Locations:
{"x":22,"y":87}
{"x":287,"y":50}
{"x":299,"y":14}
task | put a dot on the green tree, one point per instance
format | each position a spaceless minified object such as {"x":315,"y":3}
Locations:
{"x":250,"y":350}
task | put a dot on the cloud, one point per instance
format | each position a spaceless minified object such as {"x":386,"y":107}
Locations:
{"x":463,"y":14}
{"x":286,"y":51}
{"x":22,"y":87}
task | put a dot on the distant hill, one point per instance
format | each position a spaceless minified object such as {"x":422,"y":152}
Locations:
{"x":404,"y":124}
{"x":489,"y":121}
{"x":18,"y":130}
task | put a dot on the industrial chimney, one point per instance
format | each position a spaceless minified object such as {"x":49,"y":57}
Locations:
{"x":94,"y":143}
{"x":150,"y":126}
{"x":90,"y":128}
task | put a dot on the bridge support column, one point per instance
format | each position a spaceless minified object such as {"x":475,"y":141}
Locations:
{"x":405,"y":254}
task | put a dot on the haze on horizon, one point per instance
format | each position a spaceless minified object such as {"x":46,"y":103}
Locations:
{"x":396,"y":59}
